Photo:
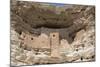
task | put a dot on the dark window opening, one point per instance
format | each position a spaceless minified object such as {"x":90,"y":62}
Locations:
{"x":81,"y":58}
{"x":76,"y":49}
{"x":31,"y":38}
{"x":93,"y":56}
{"x":20,"y":32}
{"x":53,"y":35}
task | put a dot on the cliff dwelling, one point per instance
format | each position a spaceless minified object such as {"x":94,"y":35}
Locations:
{"x":51,"y":42}
{"x":45,"y":28}
{"x":45,"y":33}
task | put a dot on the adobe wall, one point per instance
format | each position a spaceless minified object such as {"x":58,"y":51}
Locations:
{"x":51,"y":42}
{"x":31,"y":41}
{"x":54,"y":42}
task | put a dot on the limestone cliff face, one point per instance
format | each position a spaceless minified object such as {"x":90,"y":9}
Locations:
{"x":75,"y":25}
{"x":31,"y":17}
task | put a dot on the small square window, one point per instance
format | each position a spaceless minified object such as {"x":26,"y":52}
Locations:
{"x":53,"y":35}
{"x":31,"y":38}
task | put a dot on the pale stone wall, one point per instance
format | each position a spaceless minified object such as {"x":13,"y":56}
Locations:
{"x":31,"y":41}
{"x":54,"y":40}
{"x":65,"y":47}
{"x":43,"y":41}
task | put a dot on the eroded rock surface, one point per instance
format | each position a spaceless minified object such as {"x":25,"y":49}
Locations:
{"x":75,"y":25}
